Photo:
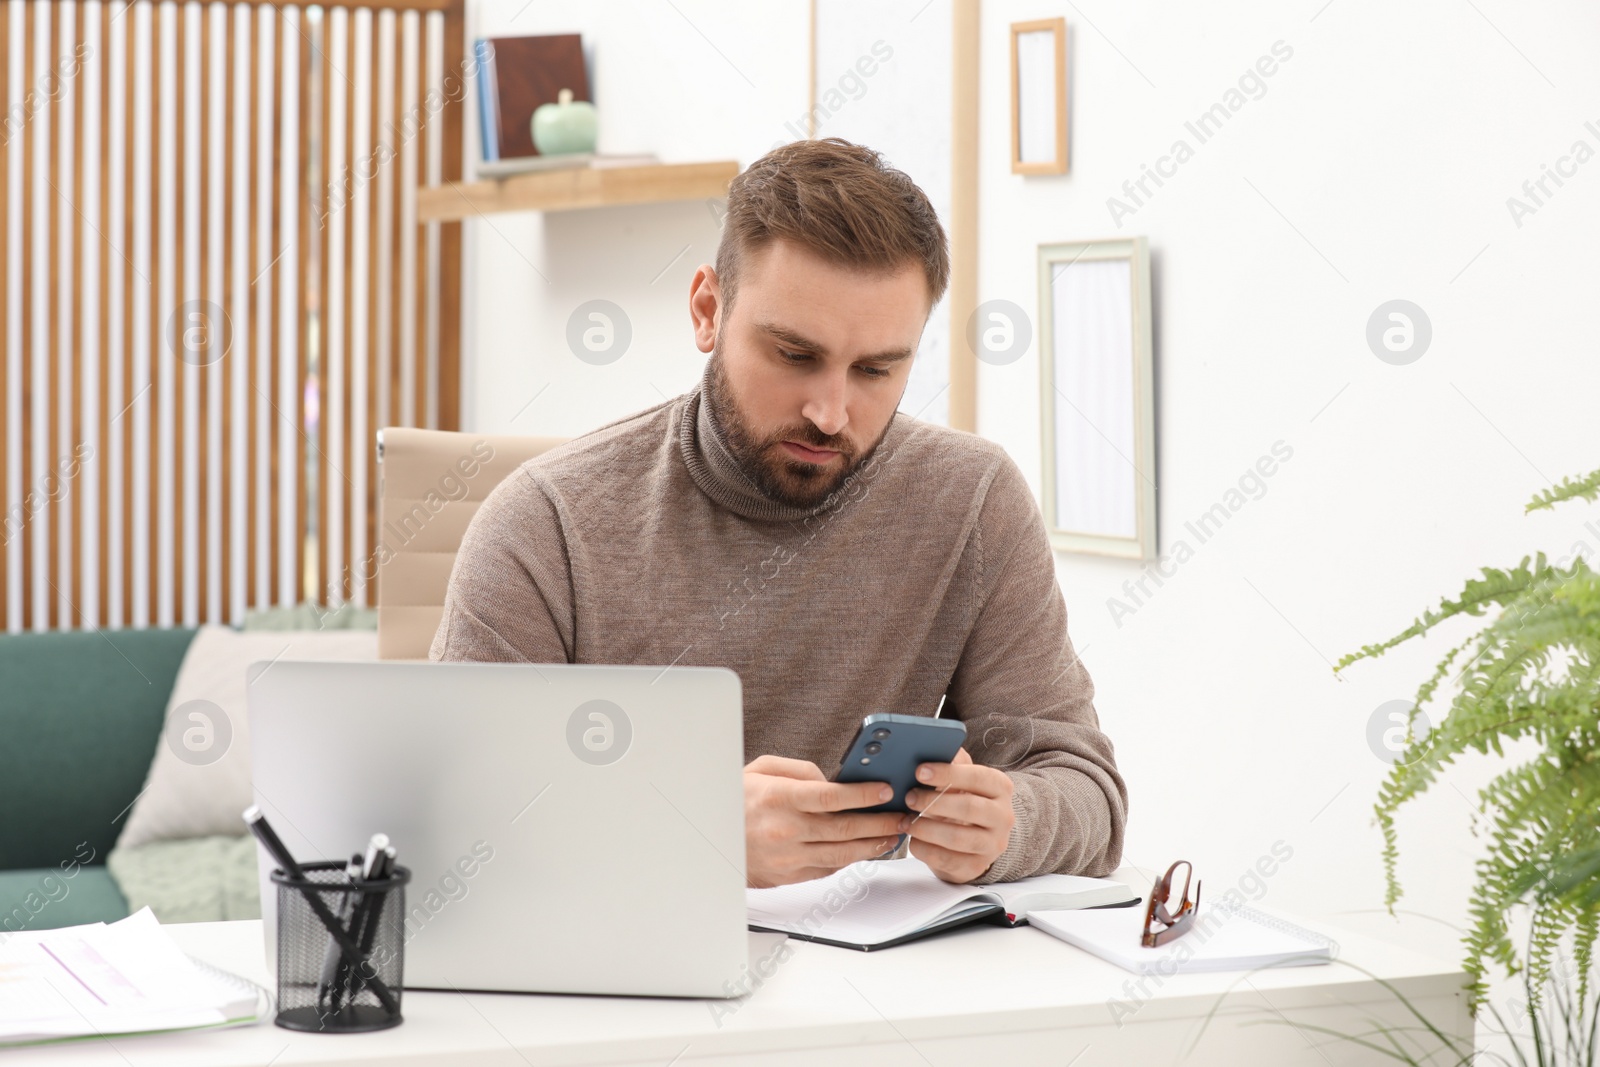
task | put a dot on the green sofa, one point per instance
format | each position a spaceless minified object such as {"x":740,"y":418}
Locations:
{"x":81,"y":713}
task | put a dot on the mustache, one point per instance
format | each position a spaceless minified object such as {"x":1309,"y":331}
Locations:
{"x":815,"y":438}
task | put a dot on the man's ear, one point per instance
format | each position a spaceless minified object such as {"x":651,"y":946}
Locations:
{"x":705,"y":306}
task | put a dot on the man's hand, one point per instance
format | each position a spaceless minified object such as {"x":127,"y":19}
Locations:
{"x":963,"y":821}
{"x":797,"y":826}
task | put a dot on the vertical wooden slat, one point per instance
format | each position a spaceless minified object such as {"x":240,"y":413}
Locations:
{"x":963,"y":294}
{"x":811,"y":71}
{"x":275,"y":493}
{"x":303,"y":317}
{"x":26,"y":361}
{"x":252,"y":53}
{"x":102,"y":457}
{"x":374,"y":227}
{"x":78,"y":562}
{"x":324,"y":138}
{"x":152,"y":493}
{"x":229,"y":358}
{"x":433,"y":22}
{"x":130,"y":388}
{"x":418,"y":354}
{"x":181,"y":369}
{"x":397,"y":224}
{"x":345,"y":448}
{"x":455,"y":23}
{"x":202,"y":440}
{"x":436,"y":35}
{"x":5,"y":328}
{"x":48,"y":410}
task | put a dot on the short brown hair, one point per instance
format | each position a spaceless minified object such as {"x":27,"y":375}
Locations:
{"x":838,"y":200}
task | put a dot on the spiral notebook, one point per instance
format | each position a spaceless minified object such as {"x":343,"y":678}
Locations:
{"x":1242,"y":939}
{"x":107,"y":980}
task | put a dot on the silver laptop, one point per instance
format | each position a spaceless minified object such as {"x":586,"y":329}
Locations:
{"x":568,"y":828}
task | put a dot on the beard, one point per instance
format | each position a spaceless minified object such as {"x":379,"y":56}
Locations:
{"x":761,"y":457}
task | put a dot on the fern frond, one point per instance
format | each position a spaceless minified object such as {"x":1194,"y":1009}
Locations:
{"x":1533,"y":675}
{"x":1576,"y":877}
{"x":1495,"y":587}
{"x":1587,"y":487}
{"x":1588,"y":930}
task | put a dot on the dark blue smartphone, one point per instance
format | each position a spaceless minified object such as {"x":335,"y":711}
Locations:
{"x":889,"y":748}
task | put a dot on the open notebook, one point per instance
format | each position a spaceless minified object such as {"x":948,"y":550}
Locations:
{"x":878,"y":903}
{"x":104,"y":980}
{"x":1220,"y":940}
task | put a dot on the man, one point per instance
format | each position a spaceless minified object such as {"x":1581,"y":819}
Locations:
{"x":782,"y":520}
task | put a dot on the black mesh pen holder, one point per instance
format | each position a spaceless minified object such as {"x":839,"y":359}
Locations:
{"x":341,"y":949}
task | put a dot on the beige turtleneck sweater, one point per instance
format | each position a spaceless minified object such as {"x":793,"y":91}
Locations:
{"x":928,"y":574}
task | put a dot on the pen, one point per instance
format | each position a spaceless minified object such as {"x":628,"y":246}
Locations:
{"x":332,"y":956}
{"x":257,"y":821}
{"x":369,"y":932}
{"x":366,"y":868}
{"x":374,"y":855}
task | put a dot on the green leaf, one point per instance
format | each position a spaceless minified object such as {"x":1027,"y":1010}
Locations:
{"x":1587,"y":487}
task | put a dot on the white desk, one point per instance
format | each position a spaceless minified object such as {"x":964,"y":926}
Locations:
{"x":982,"y":995}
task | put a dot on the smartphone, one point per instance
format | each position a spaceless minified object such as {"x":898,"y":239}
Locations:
{"x":889,"y":748}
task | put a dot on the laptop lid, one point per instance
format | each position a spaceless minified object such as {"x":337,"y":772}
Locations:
{"x":568,"y":828}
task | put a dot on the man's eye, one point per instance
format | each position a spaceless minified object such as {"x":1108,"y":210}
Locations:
{"x":804,"y":357}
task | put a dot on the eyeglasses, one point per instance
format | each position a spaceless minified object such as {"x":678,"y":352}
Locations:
{"x":1173,"y":926}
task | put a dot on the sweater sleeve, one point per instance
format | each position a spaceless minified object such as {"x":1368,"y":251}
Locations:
{"x":510,"y":594}
{"x":1028,"y":701}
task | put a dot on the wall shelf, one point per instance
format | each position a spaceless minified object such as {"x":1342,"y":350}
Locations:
{"x":576,"y":187}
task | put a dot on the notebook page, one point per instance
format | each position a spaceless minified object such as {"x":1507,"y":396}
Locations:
{"x":124,"y":977}
{"x":865,"y":903}
{"x":1059,"y":891}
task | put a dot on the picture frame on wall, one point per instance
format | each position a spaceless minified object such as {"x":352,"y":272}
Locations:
{"x":1097,"y":397}
{"x":1039,"y":97}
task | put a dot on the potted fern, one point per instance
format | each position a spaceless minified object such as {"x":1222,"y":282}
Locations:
{"x":1533,"y":672}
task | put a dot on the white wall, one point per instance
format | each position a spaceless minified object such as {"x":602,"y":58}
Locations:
{"x":693,"y":80}
{"x":1376,"y":166}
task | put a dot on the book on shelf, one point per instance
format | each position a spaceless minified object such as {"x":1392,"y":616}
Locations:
{"x":506,"y":168}
{"x":515,"y":76}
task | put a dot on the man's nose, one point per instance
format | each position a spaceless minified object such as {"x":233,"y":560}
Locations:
{"x":826,"y":406}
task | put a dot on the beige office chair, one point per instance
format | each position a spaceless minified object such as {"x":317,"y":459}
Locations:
{"x":430,"y":484}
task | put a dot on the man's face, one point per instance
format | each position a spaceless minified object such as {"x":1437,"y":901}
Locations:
{"x":808,"y":366}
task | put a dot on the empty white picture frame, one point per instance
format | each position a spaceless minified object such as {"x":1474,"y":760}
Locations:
{"x":1039,"y":97}
{"x":1097,"y":397}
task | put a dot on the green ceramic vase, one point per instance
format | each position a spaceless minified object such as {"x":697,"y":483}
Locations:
{"x":565,"y":127}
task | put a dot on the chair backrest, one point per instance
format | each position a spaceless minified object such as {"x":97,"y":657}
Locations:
{"x":431,"y":483}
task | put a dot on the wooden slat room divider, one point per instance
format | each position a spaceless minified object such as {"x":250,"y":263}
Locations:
{"x":213,"y":291}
